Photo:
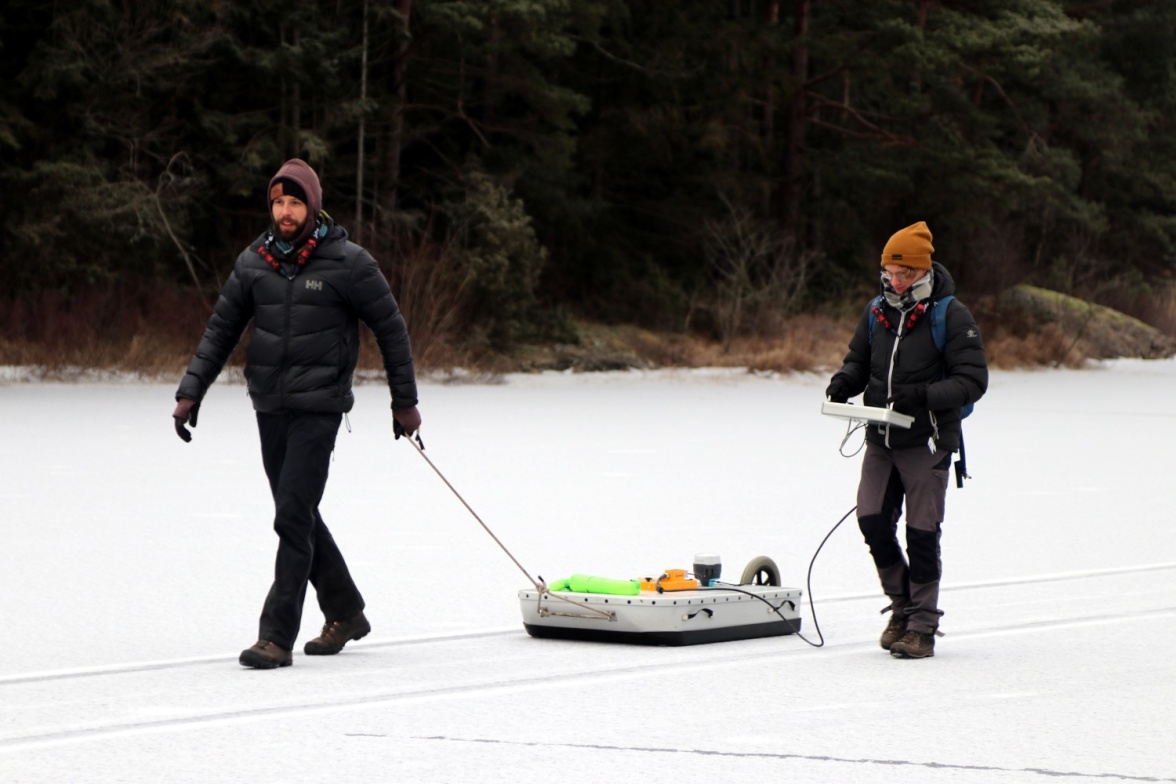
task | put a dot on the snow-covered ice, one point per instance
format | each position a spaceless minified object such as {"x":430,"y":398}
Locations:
{"x":133,"y":568}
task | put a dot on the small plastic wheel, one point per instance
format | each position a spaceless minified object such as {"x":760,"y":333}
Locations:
{"x":761,"y":570}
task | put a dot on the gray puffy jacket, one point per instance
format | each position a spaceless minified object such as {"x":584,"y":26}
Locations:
{"x":305,"y":341}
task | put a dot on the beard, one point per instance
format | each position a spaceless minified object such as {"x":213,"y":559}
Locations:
{"x":290,"y":231}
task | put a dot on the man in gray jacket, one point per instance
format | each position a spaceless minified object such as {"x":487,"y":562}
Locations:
{"x":897,"y":359}
{"x":305,"y":287}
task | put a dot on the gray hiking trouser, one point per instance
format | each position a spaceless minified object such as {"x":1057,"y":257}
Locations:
{"x":920,"y":476}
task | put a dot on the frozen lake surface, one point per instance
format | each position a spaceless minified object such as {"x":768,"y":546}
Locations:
{"x":134,"y":567}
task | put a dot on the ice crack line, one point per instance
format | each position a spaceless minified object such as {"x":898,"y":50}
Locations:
{"x":805,"y":757}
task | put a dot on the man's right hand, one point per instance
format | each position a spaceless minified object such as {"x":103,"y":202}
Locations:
{"x":405,"y":421}
{"x":837,"y":391}
{"x":185,"y":414}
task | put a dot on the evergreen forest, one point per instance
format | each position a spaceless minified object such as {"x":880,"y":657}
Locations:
{"x":714,"y":168}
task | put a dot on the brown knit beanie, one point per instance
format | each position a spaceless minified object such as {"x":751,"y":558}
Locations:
{"x":909,"y":247}
{"x":297,"y":179}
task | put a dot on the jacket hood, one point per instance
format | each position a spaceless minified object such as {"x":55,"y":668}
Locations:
{"x":944,"y":282}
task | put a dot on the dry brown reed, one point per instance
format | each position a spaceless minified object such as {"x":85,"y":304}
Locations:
{"x":151,"y":332}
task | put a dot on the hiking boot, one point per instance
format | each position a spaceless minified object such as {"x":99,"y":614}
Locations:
{"x":265,"y":655}
{"x":895,"y":629}
{"x":914,"y":645}
{"x":336,"y":634}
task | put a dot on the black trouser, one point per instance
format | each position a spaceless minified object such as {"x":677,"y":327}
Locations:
{"x":296,"y":450}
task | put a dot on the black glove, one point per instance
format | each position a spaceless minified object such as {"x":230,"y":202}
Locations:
{"x":909,"y":399}
{"x":185,"y":413}
{"x":837,"y":391}
{"x":405,"y":421}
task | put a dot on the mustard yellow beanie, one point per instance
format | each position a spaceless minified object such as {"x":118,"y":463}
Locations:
{"x":909,"y":247}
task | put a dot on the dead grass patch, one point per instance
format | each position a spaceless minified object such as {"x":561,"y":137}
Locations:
{"x":146,"y":332}
{"x":152,"y":334}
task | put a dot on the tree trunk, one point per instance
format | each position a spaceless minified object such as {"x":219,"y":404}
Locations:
{"x":283,"y":130}
{"x":296,"y":112}
{"x":771,"y":94}
{"x":491,"y":92}
{"x":400,"y":84}
{"x":359,"y":142}
{"x":797,"y":122}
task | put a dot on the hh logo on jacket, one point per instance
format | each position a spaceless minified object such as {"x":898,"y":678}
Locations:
{"x":317,"y":285}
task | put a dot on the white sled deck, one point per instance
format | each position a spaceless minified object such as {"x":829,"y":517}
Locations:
{"x":673,"y":618}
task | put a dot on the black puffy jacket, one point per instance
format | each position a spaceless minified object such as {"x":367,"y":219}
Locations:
{"x":305,"y":341}
{"x":893,"y":357}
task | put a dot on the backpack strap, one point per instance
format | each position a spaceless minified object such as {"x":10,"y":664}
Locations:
{"x":939,"y":335}
{"x":939,"y":321}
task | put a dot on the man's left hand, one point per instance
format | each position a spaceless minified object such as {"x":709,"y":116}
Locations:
{"x":185,"y":414}
{"x":909,"y":399}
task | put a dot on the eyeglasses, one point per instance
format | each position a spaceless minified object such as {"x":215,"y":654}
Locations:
{"x":904,"y":274}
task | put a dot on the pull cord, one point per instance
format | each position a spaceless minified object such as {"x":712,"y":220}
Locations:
{"x":419,"y":446}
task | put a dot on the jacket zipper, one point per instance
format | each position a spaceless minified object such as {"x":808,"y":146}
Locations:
{"x":898,"y":335}
{"x":286,"y":338}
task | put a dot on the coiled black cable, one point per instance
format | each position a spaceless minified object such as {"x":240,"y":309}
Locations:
{"x":777,"y":607}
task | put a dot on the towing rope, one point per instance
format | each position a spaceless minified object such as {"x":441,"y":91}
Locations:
{"x":419,"y":446}
{"x":539,"y":585}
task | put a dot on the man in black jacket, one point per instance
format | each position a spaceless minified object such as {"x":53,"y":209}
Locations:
{"x":896,"y":359}
{"x":305,"y":287}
